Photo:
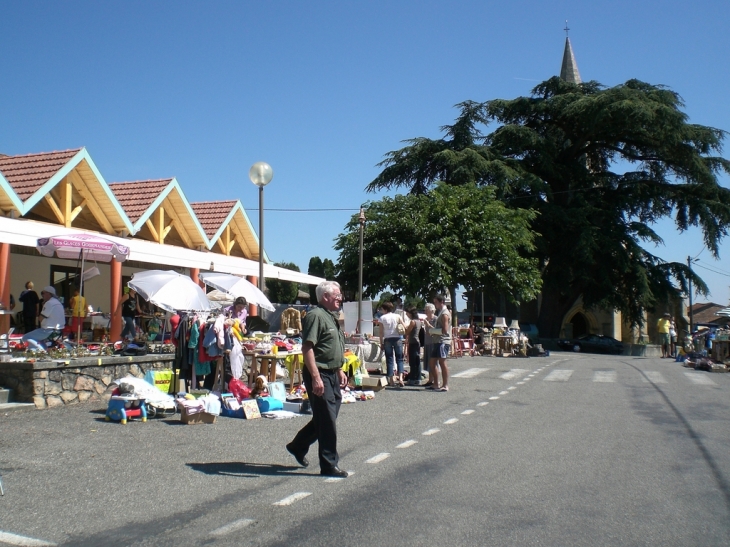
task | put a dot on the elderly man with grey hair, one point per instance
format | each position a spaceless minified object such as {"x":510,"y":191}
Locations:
{"x":323,"y":348}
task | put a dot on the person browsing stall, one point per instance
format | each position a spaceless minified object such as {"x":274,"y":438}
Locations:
{"x":323,"y":349}
{"x":238,"y":310}
{"x":52,"y":315}
{"x":31,"y":307}
{"x":130,"y":310}
{"x":78,"y":311}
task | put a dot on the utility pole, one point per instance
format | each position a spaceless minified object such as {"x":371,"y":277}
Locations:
{"x":691,"y":319}
{"x":361,"y":219}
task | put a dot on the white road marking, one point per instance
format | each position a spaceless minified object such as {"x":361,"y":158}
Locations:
{"x":493,"y":398}
{"x":510,"y":388}
{"x":232,"y":527}
{"x":467,"y":412}
{"x":503,"y":392}
{"x":526,"y":380}
{"x":483,"y":403}
{"x":520,"y":383}
{"x":22,"y":541}
{"x":293,"y":498}
{"x":699,"y":379}
{"x":558,"y":376}
{"x":379,"y":458}
{"x":451,"y":421}
{"x":407,"y":444}
{"x":513,"y":373}
{"x":604,"y":376}
{"x":653,"y":376}
{"x":431,"y":432}
{"x":469,"y":373}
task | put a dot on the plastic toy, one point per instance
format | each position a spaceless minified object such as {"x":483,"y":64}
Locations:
{"x":122,"y":408}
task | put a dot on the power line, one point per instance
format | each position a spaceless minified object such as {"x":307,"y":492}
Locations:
{"x":716,"y":267}
{"x":711,"y":270}
{"x":311,"y":210}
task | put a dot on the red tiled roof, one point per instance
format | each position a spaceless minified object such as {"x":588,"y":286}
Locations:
{"x":26,"y":174}
{"x":704,"y":312}
{"x":136,"y":197}
{"x":212,"y":214}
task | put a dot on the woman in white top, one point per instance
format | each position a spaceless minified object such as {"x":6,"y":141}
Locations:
{"x":392,"y":343}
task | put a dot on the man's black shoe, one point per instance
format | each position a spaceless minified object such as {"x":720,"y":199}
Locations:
{"x":303,"y":461}
{"x":335,"y":472}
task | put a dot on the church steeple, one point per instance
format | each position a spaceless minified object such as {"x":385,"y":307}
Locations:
{"x":569,"y":70}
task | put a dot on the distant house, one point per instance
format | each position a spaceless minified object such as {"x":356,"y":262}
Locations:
{"x":706,"y":312}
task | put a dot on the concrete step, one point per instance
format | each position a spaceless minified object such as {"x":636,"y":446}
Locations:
{"x":16,"y":406}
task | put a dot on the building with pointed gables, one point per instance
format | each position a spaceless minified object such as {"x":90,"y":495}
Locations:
{"x":56,"y":193}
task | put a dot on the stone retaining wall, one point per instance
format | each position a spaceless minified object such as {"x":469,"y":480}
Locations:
{"x":50,"y":384}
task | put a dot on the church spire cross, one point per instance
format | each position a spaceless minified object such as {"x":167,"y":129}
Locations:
{"x":569,"y":69}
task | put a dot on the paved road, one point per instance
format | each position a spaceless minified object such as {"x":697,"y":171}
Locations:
{"x":566,"y":450}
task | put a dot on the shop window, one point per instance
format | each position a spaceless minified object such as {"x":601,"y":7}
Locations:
{"x":64,"y":279}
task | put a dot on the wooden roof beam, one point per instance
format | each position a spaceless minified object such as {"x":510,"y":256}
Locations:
{"x":180,"y":227}
{"x":77,"y":210}
{"x":54,"y":207}
{"x":91,"y":203}
{"x":151,"y":226}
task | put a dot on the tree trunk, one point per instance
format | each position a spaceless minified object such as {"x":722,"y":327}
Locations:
{"x":552,"y":311}
{"x":454,"y":319}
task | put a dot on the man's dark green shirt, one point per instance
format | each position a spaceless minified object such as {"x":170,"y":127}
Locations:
{"x":322,"y":328}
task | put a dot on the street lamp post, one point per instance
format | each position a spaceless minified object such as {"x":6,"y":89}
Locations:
{"x":359,"y":284}
{"x":261,"y":174}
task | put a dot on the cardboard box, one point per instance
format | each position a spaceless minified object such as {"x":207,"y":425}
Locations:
{"x":374,"y":383}
{"x":293,"y":407}
{"x":199,"y":418}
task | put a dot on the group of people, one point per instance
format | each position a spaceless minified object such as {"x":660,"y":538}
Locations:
{"x":399,"y":332}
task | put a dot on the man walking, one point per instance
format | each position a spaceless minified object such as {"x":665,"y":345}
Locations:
{"x":323,"y":348}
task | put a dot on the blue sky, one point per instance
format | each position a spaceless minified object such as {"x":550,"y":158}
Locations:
{"x":321,"y":90}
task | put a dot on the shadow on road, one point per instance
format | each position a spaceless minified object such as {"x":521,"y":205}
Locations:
{"x":677,"y":420}
{"x":250,"y":470}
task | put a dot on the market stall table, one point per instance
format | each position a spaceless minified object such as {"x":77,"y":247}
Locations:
{"x":266,"y":364}
{"x":502,"y":344}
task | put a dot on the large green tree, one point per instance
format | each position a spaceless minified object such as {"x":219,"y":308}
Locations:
{"x":321,"y":268}
{"x":600,"y":165}
{"x":283,"y":292}
{"x":417,"y":244}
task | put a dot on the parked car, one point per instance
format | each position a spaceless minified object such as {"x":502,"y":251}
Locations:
{"x":592,"y":343}
{"x":529,"y":330}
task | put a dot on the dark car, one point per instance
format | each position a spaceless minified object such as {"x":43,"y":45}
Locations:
{"x":592,"y":343}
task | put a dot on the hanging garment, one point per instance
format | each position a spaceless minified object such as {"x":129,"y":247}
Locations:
{"x":237,"y":359}
{"x":290,"y":319}
{"x":201,"y":369}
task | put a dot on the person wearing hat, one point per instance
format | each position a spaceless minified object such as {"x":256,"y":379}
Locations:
{"x":53,"y":320}
{"x":662,"y":327}
{"x":52,"y":316}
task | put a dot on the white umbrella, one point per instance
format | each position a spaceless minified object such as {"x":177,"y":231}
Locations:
{"x":169,"y":290}
{"x":724,"y":312}
{"x":237,"y":286}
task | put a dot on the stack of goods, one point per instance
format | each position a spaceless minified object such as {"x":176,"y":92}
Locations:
{"x":198,"y":411}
